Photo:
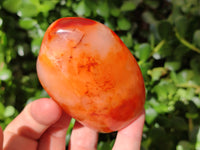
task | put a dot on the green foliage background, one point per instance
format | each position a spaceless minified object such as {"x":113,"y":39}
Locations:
{"x":163,"y":35}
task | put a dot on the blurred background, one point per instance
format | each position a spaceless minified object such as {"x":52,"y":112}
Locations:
{"x":163,"y":35}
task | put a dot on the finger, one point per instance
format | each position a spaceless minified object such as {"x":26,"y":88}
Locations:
{"x":30,"y":124}
{"x":1,"y":138}
{"x":83,"y":138}
{"x":54,"y":137}
{"x":130,"y":137}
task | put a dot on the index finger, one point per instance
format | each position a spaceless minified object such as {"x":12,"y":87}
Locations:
{"x":1,"y":138}
{"x":130,"y":137}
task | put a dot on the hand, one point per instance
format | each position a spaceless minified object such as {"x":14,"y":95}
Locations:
{"x":42,"y":125}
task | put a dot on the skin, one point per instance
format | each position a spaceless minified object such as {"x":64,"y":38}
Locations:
{"x":42,"y":125}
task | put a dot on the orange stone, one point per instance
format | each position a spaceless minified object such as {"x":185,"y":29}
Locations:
{"x":85,"y":67}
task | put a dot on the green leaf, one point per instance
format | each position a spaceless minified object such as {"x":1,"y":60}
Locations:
{"x":196,"y":101}
{"x":35,"y":2}
{"x":128,"y":40}
{"x":103,"y":8}
{"x":46,"y":6}
{"x":187,"y":76}
{"x":159,"y":135}
{"x":179,"y":52}
{"x":151,"y":114}
{"x":181,"y":24}
{"x":12,"y":5}
{"x":178,"y":2}
{"x":152,"y":3}
{"x":1,"y":22}
{"x":36,"y":32}
{"x":115,"y":11}
{"x":172,"y":65}
{"x":185,"y":95}
{"x":144,"y":67}
{"x":128,"y":6}
{"x":148,"y":17}
{"x":110,"y":24}
{"x":191,"y":115}
{"x":197,"y":144}
{"x":190,"y":6}
{"x":9,"y":111}
{"x":5,"y":74}
{"x":184,"y":145}
{"x":39,"y":94}
{"x":165,"y":90}
{"x":179,"y":123}
{"x":123,"y":23}
{"x":3,"y":39}
{"x":81,"y":9}
{"x":196,"y":38}
{"x":156,"y":73}
{"x":35,"y":46}
{"x":157,"y":106}
{"x":143,"y":51}
{"x":28,"y":10}
{"x":66,"y":13}
{"x":27,"y":23}
{"x":105,"y":145}
{"x":2,"y":109}
{"x":194,"y":63}
{"x":92,"y":5}
{"x":165,"y":30}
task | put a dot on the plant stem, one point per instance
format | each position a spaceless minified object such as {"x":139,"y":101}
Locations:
{"x":156,"y":49}
{"x":186,"y":43}
{"x":159,"y":46}
{"x":190,"y":124}
{"x":197,"y":87}
{"x":188,"y":85}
